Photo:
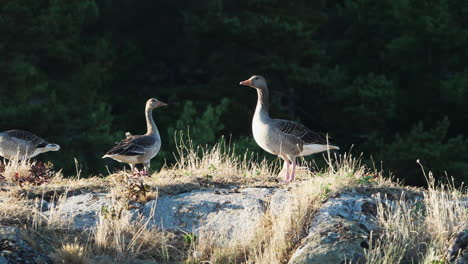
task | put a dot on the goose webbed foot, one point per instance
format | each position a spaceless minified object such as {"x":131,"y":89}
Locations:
{"x":146,"y":169}
{"x":136,"y":172}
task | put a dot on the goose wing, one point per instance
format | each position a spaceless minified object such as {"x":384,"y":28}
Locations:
{"x":132,"y":146}
{"x":28,"y":137}
{"x":300,"y":132}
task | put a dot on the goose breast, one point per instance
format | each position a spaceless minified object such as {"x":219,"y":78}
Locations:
{"x":262,"y":134}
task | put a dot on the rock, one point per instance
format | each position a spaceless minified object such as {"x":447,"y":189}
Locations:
{"x":339,"y":231}
{"x":143,"y":261}
{"x":221,"y":213}
{"x":102,"y":260}
{"x":14,"y":250}
{"x":10,"y":233}
{"x":458,"y":251}
{"x":40,"y":204}
{"x":81,"y":211}
{"x":278,"y":200}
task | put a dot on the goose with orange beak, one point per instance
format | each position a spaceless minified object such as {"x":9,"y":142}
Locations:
{"x":286,"y":139}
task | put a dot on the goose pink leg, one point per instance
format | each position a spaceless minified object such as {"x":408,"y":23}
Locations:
{"x":285,"y":171}
{"x":134,"y":169}
{"x":293,"y":173}
{"x":286,"y":178}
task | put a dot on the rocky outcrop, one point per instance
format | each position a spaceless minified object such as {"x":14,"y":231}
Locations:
{"x":79,"y":211}
{"x":339,"y":231}
{"x":228,"y":214}
{"x":458,"y":251}
{"x":14,"y":250}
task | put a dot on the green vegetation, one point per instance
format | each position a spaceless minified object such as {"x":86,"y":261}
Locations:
{"x":389,"y":77}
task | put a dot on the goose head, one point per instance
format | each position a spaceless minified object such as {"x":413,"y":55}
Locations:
{"x":44,"y":149}
{"x":154,"y":103}
{"x":256,"y":81}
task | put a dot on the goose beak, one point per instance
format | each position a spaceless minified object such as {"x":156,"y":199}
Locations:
{"x":161,"y":103}
{"x":246,"y":83}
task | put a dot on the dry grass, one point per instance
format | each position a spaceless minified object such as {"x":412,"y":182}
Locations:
{"x":412,"y":231}
{"x":27,"y":172}
{"x":15,"y":169}
{"x":71,"y":253}
{"x":118,"y":237}
{"x":220,"y":164}
{"x":127,"y":239}
{"x":13,"y":208}
{"x":419,"y":231}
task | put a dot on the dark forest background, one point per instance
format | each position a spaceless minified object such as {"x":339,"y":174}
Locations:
{"x":389,"y":77}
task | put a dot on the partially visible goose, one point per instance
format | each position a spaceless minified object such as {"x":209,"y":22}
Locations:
{"x":139,"y":149}
{"x":284,"y":138}
{"x":23,"y":145}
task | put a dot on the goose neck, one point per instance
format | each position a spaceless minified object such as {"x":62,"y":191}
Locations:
{"x":262,"y":102}
{"x":151,"y":128}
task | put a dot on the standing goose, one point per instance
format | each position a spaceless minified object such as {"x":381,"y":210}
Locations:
{"x":284,"y":138}
{"x":23,"y":145}
{"x":139,"y":149}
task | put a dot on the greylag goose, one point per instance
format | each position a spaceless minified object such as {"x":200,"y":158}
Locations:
{"x":284,"y":138}
{"x":23,"y":145}
{"x":139,"y":149}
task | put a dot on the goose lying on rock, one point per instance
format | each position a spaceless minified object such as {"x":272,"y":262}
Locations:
{"x":139,"y":149}
{"x":284,"y":138}
{"x":23,"y":145}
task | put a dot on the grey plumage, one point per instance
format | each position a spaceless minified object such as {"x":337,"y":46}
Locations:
{"x":295,"y":135}
{"x":139,"y":149}
{"x":23,"y":144}
{"x":284,"y":138}
{"x":133,"y":145}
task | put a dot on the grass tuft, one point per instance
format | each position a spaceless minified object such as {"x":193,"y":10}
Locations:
{"x":419,"y":230}
{"x":70,"y":253}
